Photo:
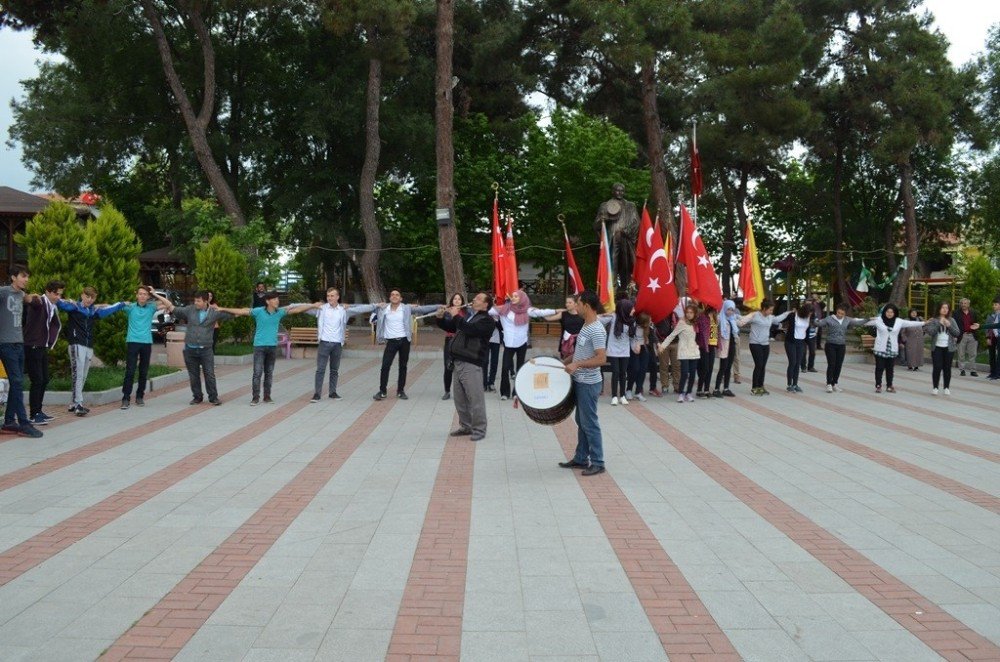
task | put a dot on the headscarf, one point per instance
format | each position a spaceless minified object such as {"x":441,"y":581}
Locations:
{"x":520,"y":309}
{"x":728,"y":325}
{"x":885,"y":320}
{"x":624,"y":318}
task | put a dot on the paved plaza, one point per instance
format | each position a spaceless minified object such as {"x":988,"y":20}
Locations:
{"x":838,"y":527}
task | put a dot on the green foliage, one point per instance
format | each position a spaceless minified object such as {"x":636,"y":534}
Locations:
{"x":115,"y":277}
{"x":222,"y":269}
{"x":58,"y":249}
{"x":981,"y":286}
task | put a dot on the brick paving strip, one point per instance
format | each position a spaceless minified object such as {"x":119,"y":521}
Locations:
{"x":41,"y":547}
{"x":939,"y":630}
{"x":56,"y":462}
{"x":166,"y":628}
{"x":680,"y":619}
{"x":429,"y":622}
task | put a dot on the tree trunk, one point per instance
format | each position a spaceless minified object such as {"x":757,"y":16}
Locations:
{"x":654,"y":146}
{"x":197,"y":125}
{"x":451,"y":259}
{"x":901,"y":286}
{"x":838,"y":222}
{"x":369,"y":224}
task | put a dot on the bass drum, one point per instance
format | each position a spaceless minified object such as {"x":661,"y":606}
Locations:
{"x":545,"y":390}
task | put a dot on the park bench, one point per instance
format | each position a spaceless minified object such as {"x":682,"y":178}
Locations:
{"x":867,"y":343}
{"x":545,"y":329}
{"x":302,"y":335}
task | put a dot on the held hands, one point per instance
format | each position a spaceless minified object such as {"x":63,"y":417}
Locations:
{"x":440,"y":312}
{"x":975,"y":327}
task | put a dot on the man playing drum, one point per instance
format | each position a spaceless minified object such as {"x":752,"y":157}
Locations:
{"x":585,"y":368}
{"x":469,"y":349}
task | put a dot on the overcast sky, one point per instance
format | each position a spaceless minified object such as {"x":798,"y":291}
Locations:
{"x":964,"y":22}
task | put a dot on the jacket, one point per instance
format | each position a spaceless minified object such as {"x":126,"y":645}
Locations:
{"x":933,"y":327}
{"x":41,"y":323}
{"x":760,"y":325}
{"x":408,"y":312}
{"x":80,"y":324}
{"x":963,"y":319}
{"x":687,"y":345}
{"x":886,"y":339}
{"x":200,"y":333}
{"x":472,"y":332}
{"x":836,"y":330}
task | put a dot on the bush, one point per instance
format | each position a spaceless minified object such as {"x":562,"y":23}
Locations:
{"x":222,"y":269}
{"x":116,"y":278}
{"x":58,"y":249}
{"x":981,"y":286}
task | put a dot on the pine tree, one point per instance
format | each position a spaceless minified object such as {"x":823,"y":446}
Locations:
{"x":223,"y":270}
{"x":116,"y":277}
{"x":58,"y":249}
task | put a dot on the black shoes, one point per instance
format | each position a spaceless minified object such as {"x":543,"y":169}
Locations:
{"x":477,"y":437}
{"x":126,"y":403}
{"x":446,"y":396}
{"x":194,"y":401}
{"x":215,"y":401}
{"x":79,"y":410}
{"x":267,"y":400}
{"x":315,"y":398}
{"x":335,"y":396}
{"x":729,"y":394}
{"x":572,"y":464}
{"x":460,"y":432}
{"x":402,"y":395}
{"x":973,"y":374}
{"x":139,"y":402}
{"x":592,"y":470}
{"x":29,"y":430}
{"x":254,"y":401}
{"x":379,"y":396}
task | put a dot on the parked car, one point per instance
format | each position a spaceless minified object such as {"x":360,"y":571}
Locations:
{"x":163,"y":322}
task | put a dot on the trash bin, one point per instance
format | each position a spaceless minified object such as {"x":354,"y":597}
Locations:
{"x":175,"y":349}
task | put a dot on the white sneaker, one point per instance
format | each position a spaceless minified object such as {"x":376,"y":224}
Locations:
{"x":836,"y":387}
{"x":624,"y":400}
{"x":829,"y":388}
{"x":628,"y":394}
{"x":934,"y":391}
{"x":640,"y":397}
{"x":614,"y":401}
{"x":503,"y":397}
{"x":947,"y":391}
{"x":680,"y":398}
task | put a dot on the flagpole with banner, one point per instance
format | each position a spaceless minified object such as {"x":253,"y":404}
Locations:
{"x":605,"y":273}
{"x":573,"y":276}
{"x":499,"y":250}
{"x":751,"y":281}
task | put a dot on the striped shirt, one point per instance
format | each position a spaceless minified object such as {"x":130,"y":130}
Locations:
{"x":591,"y":337}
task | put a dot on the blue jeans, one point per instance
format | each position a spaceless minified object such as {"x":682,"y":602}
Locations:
{"x":263,"y":366}
{"x":589,"y":444}
{"x":12,"y":356}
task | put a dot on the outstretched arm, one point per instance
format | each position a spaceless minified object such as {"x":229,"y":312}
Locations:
{"x":164,"y":302}
{"x":235,"y":312}
{"x":101,"y":313}
{"x":302,"y":307}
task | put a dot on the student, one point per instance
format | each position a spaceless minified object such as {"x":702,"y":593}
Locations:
{"x":707,"y":328}
{"x":728,"y":331}
{"x":944,"y":333}
{"x":620,"y":335}
{"x":331,"y":331}
{"x":911,"y":339}
{"x":796,"y":332}
{"x":968,"y":346}
{"x":813,"y":335}
{"x":81,"y":316}
{"x":638,"y":359}
{"x":570,"y":324}
{"x":458,"y":303}
{"x":490,"y":373}
{"x":688,"y":352}
{"x":760,"y":341}
{"x":139,"y":344}
{"x":670,"y":367}
{"x":41,"y":331}
{"x":836,"y":327}
{"x":199,"y":355}
{"x":585,"y":369}
{"x":993,"y":339}
{"x":265,"y":340}
{"x":515,"y":317}
{"x":394,"y":327}
{"x":15,"y":418}
{"x":469,"y":347}
{"x":888,"y":326}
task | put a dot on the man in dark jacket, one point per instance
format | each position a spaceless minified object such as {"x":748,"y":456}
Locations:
{"x":41,"y":330}
{"x":199,"y":357}
{"x":968,"y":346}
{"x":469,"y":349}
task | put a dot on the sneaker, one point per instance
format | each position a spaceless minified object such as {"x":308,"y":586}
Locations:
{"x":829,"y":388}
{"x":837,"y":389}
{"x":756,"y":391}
{"x":39,"y":419}
{"x":639,"y":397}
{"x":934,"y":391}
{"x":688,"y":398}
{"x":335,"y":396}
{"x":947,"y":391}
{"x":878,"y":388}
{"x":629,"y":394}
{"x":624,"y":400}
{"x":214,"y":402}
{"x":716,"y":393}
{"x":446,"y":396}
{"x":812,"y":370}
{"x":973,"y":374}
{"x":680,"y":398}
{"x":315,"y":398}
{"x":139,"y":402}
{"x":728,"y":394}
{"x":267,"y":400}
{"x":10,"y":428}
{"x":194,"y":401}
{"x":81,"y":410}
{"x":592,"y":470}
{"x":126,"y":403}
{"x":28,"y":430}
{"x":764,"y":391}
{"x":503,"y":398}
{"x":254,"y":401}
{"x":72,"y":408}
{"x":46,"y":416}
{"x":790,"y":388}
{"x":402,"y":395}
{"x":379,"y":396}
{"x":798,"y":389}
{"x":890,"y":389}
{"x":736,"y":380}
{"x":490,"y":388}
{"x":614,"y":401}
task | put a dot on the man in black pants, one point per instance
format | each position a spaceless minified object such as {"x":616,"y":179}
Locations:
{"x":41,"y":330}
{"x":393,"y":326}
{"x":469,"y":349}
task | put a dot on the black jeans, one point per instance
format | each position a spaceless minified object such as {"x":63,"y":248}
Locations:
{"x":394,"y":346}
{"x":36,"y":363}
{"x":834,"y":362}
{"x":619,"y":375}
{"x":12,"y":357}
{"x":883,"y":364}
{"x":994,"y":359}
{"x":759,"y":354}
{"x":795,"y":349}
{"x":136,"y":353}
{"x":809,"y":355}
{"x":638,"y":366}
{"x":726,"y":367}
{"x":201,"y":360}
{"x":941,"y":360}
{"x":509,"y":363}
{"x":706,"y":365}
{"x":448,"y":367}
{"x":689,"y":368}
{"x":490,"y":374}
{"x":263,"y":367}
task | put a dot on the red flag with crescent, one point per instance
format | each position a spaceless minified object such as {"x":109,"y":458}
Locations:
{"x":703,"y":284}
{"x":499,"y":256}
{"x":575,"y":280}
{"x":657,"y":293}
{"x":643,"y":249}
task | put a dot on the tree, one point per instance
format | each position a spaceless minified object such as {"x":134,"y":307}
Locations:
{"x":981,"y":285}
{"x":222,"y":269}
{"x":444,"y":115}
{"x":58,"y":249}
{"x":115,"y":276}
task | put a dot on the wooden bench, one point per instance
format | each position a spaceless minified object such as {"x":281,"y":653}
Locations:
{"x":867,"y":343}
{"x":545,"y":329}
{"x":302,"y":335}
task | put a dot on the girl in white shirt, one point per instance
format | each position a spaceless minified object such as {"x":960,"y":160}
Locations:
{"x":620,"y":337}
{"x":515,"y":318}
{"x":688,"y":352}
{"x":796,"y":331}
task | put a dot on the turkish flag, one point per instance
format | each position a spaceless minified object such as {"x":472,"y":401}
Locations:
{"x":575,"y":280}
{"x":642,"y":249}
{"x":512,"y":283}
{"x":657,"y":294}
{"x":703,"y":284}
{"x":500,"y":290}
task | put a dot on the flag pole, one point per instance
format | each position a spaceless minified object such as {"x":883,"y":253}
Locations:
{"x":694,"y":141}
{"x":562,"y":221}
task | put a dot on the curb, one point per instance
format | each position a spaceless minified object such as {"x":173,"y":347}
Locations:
{"x":97,"y":398}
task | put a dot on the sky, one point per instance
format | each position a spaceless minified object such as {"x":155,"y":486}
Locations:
{"x":964,"y":22}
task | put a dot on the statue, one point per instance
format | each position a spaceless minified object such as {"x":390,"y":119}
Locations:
{"x":622,"y":220}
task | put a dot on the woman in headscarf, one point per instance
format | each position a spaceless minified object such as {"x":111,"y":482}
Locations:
{"x":728,"y":330}
{"x":887,"y":329}
{"x":912,"y":339}
{"x":515,"y":318}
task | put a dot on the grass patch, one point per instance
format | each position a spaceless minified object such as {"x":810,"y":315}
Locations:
{"x":101,"y":379}
{"x":233,"y":349}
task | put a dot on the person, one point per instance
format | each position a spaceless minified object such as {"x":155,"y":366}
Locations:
{"x":968,"y":346}
{"x":836,"y":327}
{"x":796,"y":332}
{"x":707,"y":327}
{"x":944,"y":333}
{"x":585,"y":369}
{"x":41,"y":331}
{"x":80,"y":318}
{"x":213,"y":303}
{"x":728,"y":330}
{"x":15,"y":418}
{"x":259,"y":290}
{"x":331,"y":331}
{"x":670,"y":367}
{"x":199,"y":354}
{"x":458,"y":303}
{"x":911,"y":340}
{"x":490,"y":373}
{"x":468,"y":351}
{"x":514,"y":316}
{"x":570,"y":324}
{"x":621,"y":218}
{"x":888,"y":326}
{"x":620,"y":334}
{"x":735,"y":339}
{"x":993,"y":339}
{"x":394,"y":327}
{"x":688,"y":351}
{"x":638,"y":358}
{"x":265,"y":340}
{"x":760,"y":323}
{"x":814,"y":335}
{"x":139,"y":344}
